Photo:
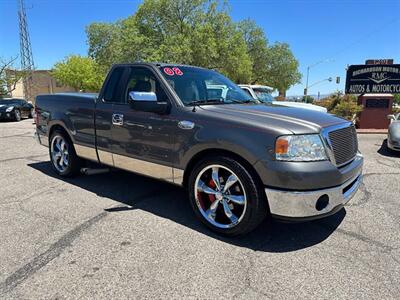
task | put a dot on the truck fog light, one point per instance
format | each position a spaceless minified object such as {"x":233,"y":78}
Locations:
{"x":322,"y":202}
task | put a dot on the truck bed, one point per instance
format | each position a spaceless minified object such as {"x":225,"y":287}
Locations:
{"x":74,"y":111}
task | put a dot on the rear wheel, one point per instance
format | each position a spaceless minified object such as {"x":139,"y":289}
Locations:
{"x":63,"y":156}
{"x":226,"y":197}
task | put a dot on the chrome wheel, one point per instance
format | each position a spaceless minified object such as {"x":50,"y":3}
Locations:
{"x":220,"y":196}
{"x":59,"y":153}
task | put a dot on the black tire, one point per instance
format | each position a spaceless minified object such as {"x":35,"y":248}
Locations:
{"x":17,"y":115}
{"x":74,"y":162}
{"x":256,"y":203}
{"x":391,"y":151}
{"x":31,"y":112}
{"x":388,"y":150}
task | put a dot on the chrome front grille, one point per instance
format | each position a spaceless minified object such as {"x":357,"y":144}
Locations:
{"x":344,"y":144}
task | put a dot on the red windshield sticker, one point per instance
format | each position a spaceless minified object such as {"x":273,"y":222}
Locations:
{"x":168,"y":71}
{"x":177,"y":71}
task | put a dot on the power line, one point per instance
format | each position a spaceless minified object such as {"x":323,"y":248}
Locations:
{"x":362,"y":39}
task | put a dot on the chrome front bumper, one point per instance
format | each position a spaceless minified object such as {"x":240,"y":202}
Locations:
{"x":310,"y":204}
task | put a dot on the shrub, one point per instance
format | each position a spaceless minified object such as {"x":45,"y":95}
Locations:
{"x":347,"y":108}
{"x":344,"y":106}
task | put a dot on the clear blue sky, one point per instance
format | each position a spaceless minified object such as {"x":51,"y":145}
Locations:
{"x":346,"y":31}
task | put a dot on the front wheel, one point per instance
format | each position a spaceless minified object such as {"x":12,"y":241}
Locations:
{"x":17,"y":115}
{"x":226,"y":196}
{"x":63,"y":156}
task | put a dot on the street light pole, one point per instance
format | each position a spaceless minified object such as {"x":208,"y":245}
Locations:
{"x":306,"y":89}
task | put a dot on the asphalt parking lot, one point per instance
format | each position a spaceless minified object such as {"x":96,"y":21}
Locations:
{"x":121,"y":235}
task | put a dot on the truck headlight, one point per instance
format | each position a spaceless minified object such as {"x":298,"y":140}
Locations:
{"x":307,"y":147}
{"x":9,"y":109}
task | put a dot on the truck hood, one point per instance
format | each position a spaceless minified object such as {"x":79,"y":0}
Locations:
{"x":295,"y":120}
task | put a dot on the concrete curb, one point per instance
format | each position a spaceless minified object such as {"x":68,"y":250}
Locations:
{"x":372,"y":131}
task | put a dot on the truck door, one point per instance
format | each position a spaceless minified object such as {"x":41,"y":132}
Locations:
{"x":111,"y":94}
{"x":143,"y":141}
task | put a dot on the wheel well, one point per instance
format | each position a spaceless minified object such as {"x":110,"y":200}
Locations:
{"x":217,"y":152}
{"x":60,"y":128}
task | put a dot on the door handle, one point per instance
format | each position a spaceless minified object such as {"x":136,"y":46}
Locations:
{"x":118,"y":119}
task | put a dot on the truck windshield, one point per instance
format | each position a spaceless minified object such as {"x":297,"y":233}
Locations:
{"x":201,"y":86}
{"x":263,"y":95}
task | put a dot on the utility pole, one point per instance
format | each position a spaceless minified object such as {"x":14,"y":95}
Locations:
{"x":27,"y":64}
{"x":306,"y":89}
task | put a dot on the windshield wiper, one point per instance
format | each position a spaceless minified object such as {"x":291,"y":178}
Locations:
{"x":242,"y":102}
{"x":208,"y":101}
{"x":218,"y":101}
{"x":204,"y":102}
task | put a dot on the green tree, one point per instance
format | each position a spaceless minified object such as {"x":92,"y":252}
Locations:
{"x":198,"y":32}
{"x":102,"y":40}
{"x":308,"y":99}
{"x":275,"y":66}
{"x":282,"y":68}
{"x":81,"y":73}
{"x":396,"y":99}
{"x":257,"y":48}
{"x":9,"y":76}
{"x":3,"y":92}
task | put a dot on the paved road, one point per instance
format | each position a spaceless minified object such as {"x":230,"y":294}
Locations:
{"x":125,"y":236}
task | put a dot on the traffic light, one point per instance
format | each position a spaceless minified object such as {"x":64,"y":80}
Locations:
{"x":338,"y":80}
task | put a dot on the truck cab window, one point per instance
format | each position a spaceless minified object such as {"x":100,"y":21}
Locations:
{"x":143,"y":80}
{"x":111,"y":90}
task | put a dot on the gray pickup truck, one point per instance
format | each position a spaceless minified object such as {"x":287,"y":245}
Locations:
{"x":239,"y":159}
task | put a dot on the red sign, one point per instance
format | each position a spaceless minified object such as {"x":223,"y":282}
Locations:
{"x":168,"y":71}
{"x":173,"y":71}
{"x":379,"y":61}
{"x":177,"y":71}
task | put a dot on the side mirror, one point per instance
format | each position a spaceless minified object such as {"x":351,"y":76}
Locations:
{"x":390,"y":117}
{"x":147,"y":101}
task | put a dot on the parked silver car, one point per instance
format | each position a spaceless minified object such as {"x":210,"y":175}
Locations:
{"x":393,"y":141}
{"x":263,"y":94}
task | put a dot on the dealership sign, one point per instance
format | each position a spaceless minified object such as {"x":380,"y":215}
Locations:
{"x":364,"y":79}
